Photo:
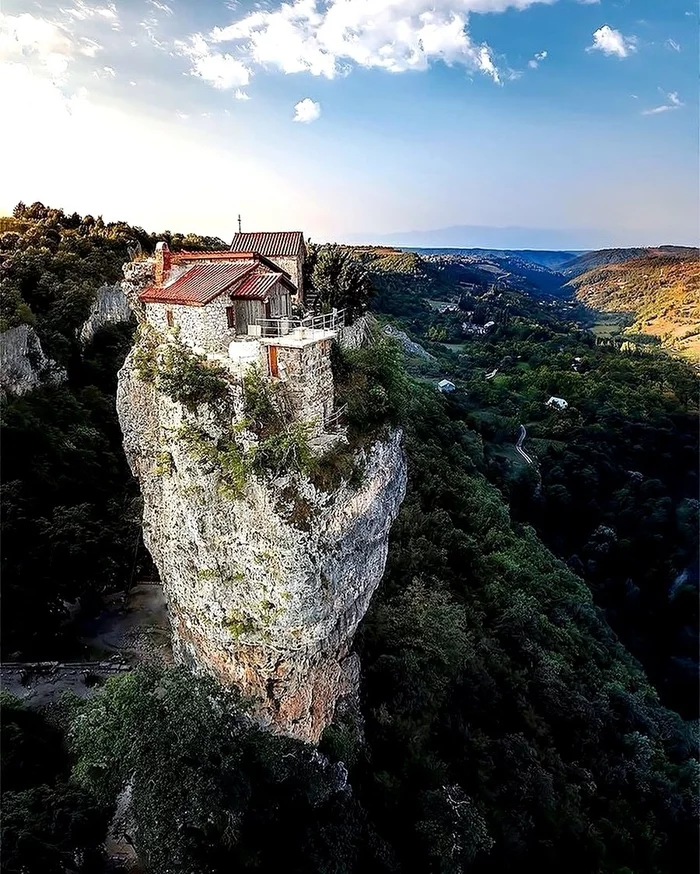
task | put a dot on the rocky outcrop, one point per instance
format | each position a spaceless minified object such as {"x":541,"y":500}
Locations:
{"x":265,"y":589}
{"x":23,"y":364}
{"x":110,"y":307}
{"x":408,"y":345}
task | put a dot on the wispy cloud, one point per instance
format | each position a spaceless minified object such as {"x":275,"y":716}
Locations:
{"x":673,"y":45}
{"x":161,"y":7}
{"x":673,"y":102}
{"x":535,"y":62}
{"x":307,"y":110}
{"x":612,"y":42}
{"x":82,"y":11}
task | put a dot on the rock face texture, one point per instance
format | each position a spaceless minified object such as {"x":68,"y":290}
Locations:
{"x":110,"y":308}
{"x":265,"y":590}
{"x":23,"y":364}
{"x":407,"y":344}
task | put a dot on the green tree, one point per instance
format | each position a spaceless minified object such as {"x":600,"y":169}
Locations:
{"x":337,"y":279}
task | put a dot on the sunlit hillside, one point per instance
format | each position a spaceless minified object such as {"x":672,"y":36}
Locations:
{"x":661,"y":292}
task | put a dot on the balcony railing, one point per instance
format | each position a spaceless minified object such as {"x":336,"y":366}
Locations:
{"x":282,"y":326}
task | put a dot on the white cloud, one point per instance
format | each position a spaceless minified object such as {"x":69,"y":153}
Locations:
{"x":221,"y":71}
{"x":535,"y":62}
{"x":673,"y":45}
{"x":162,"y":7}
{"x":26,"y":37}
{"x":328,"y":39}
{"x":612,"y":42}
{"x":240,"y":95}
{"x":307,"y":110}
{"x":588,"y":2}
{"x":673,"y":102}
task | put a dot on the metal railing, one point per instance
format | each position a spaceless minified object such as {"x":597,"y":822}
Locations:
{"x":334,"y":421}
{"x":281,"y":326}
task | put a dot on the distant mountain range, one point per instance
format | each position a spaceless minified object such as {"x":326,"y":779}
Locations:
{"x":507,"y":238}
{"x":552,"y":260}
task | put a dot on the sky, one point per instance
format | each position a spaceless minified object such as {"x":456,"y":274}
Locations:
{"x":358,"y":120}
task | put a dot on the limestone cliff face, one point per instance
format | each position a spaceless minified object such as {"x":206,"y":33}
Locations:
{"x":23,"y":364}
{"x":264,"y":590}
{"x":110,"y":307}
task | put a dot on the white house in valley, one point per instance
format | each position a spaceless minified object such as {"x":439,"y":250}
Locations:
{"x":558,"y":403}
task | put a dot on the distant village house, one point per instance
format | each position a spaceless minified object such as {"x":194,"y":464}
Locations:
{"x":558,"y":403}
{"x":446,"y":386}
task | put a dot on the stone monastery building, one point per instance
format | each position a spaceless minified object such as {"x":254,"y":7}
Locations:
{"x":235,"y":307}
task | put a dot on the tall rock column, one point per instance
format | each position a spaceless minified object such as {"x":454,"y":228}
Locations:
{"x":265,"y":587}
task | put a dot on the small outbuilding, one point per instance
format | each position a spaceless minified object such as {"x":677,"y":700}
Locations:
{"x":446,"y":386}
{"x":559,"y":403}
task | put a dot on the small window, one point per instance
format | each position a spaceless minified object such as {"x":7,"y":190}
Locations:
{"x":231,"y":317}
{"x":169,"y":318}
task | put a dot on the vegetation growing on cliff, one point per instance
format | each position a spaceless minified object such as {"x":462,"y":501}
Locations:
{"x":184,"y":376}
{"x":336,"y":279}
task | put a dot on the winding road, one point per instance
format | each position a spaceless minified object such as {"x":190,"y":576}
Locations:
{"x":519,"y":445}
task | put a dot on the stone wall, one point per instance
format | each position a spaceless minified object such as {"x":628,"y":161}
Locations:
{"x":23,"y":364}
{"x":308,"y":377}
{"x":204,"y":328}
{"x":291,"y":265}
{"x":111,"y":307}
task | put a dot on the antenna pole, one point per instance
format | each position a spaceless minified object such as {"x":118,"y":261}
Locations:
{"x":239,"y":223}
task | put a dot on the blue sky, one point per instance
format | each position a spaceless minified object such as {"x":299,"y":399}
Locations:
{"x":358,"y":119}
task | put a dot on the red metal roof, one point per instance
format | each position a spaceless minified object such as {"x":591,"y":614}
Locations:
{"x":255,"y":285}
{"x":199,"y":284}
{"x":284,"y":244}
{"x":213,"y":255}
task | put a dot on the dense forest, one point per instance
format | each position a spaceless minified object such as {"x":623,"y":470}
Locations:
{"x":530,"y":619}
{"x":71,"y":509}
